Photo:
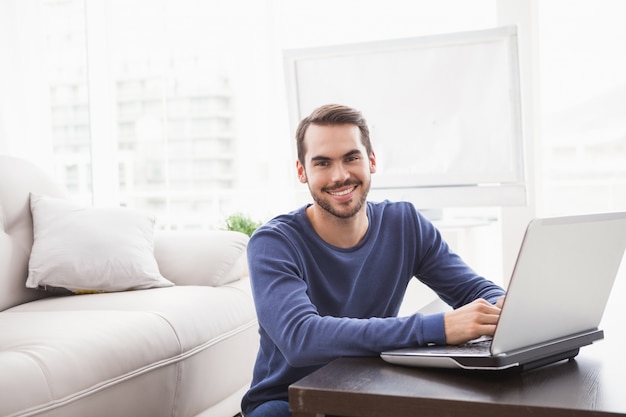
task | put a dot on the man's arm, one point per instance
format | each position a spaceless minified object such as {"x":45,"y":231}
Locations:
{"x":477,"y":301}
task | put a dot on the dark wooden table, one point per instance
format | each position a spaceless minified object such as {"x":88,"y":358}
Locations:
{"x":593,"y":384}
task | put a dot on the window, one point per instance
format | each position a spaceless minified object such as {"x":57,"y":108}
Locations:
{"x":583,"y":92}
{"x":184,"y":99}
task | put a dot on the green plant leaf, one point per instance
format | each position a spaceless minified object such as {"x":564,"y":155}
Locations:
{"x":240,"y":222}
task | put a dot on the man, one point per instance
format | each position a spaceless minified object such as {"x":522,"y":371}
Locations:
{"x":328,"y":278}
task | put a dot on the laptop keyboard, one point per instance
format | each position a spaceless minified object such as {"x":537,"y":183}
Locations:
{"x":476,"y":347}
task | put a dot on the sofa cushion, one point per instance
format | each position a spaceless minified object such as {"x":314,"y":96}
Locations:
{"x":196,"y":313}
{"x":89,"y":249}
{"x":208,"y":257}
{"x":57,"y":356}
{"x":81,"y":348}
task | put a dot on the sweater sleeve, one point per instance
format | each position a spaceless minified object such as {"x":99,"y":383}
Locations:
{"x":446,"y":273}
{"x":303,"y":336}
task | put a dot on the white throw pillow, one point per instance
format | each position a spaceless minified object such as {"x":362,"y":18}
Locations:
{"x":88,"y":249}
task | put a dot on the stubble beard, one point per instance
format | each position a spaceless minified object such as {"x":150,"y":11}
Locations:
{"x":327,"y":206}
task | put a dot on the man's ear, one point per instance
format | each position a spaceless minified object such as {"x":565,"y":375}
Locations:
{"x":301,"y":172}
{"x":372,"y":162}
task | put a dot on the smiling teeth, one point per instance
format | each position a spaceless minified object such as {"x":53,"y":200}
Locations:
{"x":340,"y":193}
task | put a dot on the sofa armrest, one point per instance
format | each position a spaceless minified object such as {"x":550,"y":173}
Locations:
{"x":211,"y":258}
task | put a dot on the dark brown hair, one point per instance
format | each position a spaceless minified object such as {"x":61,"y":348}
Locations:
{"x":332,"y":115}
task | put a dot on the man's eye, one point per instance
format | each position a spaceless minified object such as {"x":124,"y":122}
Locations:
{"x":321,"y":164}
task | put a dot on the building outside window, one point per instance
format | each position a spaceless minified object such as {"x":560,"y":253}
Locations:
{"x":195,"y":102}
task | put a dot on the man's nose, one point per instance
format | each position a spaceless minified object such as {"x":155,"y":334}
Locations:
{"x":340,"y":173}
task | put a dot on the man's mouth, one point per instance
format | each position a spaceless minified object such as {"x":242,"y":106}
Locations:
{"x":341,"y":193}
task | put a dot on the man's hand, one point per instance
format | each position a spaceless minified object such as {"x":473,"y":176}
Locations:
{"x":471,"y":321}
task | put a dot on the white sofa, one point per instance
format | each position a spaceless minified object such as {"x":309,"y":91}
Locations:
{"x":182,"y":350}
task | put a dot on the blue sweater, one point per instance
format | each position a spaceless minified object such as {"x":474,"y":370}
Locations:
{"x":316,"y":302}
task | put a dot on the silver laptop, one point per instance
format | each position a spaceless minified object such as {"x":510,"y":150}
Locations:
{"x":555,"y":300}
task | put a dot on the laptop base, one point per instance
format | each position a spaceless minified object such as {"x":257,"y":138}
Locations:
{"x":522,"y":360}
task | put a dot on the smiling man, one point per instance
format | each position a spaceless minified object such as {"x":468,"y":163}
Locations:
{"x":328,"y":278}
{"x":338,"y":176}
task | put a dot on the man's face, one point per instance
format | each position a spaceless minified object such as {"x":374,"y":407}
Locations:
{"x":337,"y":168}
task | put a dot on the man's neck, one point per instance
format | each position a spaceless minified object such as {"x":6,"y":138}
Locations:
{"x":340,"y":232}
